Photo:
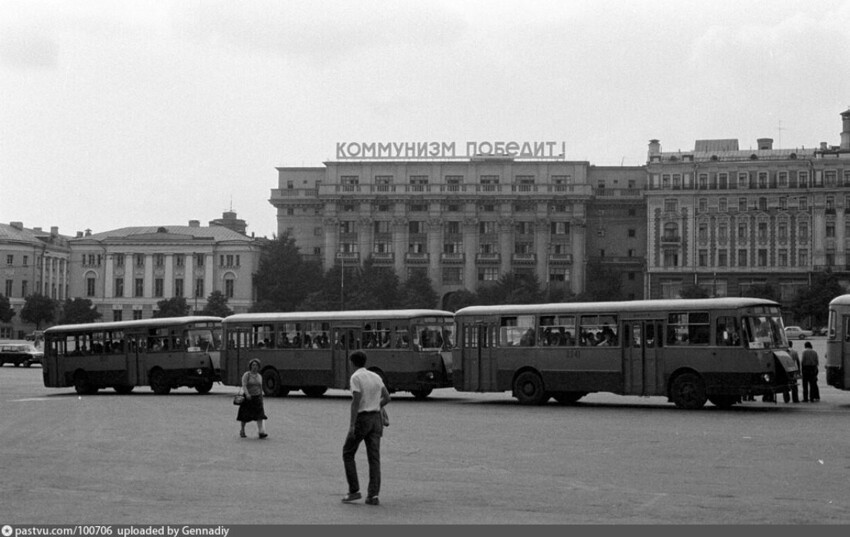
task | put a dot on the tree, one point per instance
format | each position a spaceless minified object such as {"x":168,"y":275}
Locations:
{"x":372,"y":287}
{"x":764,"y":290}
{"x":283,"y":278}
{"x":603,"y":284}
{"x":418,"y":292}
{"x":812,"y":303}
{"x":78,"y":311}
{"x":217,"y":305}
{"x":693,"y":291}
{"x":172,"y":307}
{"x":39,"y":309}
{"x":6,"y":310}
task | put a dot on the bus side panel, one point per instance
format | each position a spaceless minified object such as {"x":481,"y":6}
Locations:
{"x":297,"y":367}
{"x":837,"y":373}
{"x":410,"y":370}
{"x":51,"y":373}
{"x":580,"y":369}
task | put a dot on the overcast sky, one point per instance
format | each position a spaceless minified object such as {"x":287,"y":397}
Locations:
{"x":141,"y":113}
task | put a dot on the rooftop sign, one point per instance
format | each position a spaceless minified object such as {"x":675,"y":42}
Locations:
{"x":448,"y":150}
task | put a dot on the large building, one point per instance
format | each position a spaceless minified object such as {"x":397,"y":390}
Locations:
{"x":727,"y":218}
{"x":465,"y":223}
{"x":126,"y":271}
{"x":34,"y":261}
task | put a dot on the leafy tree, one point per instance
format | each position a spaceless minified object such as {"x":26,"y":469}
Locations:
{"x":6,"y":310}
{"x":217,"y":305}
{"x":283,"y":278}
{"x":813,"y":303}
{"x":372,"y":287}
{"x":765,"y":290}
{"x":603,"y":284}
{"x":694,"y":291}
{"x":39,"y":309}
{"x":78,"y":311}
{"x":459,"y":299}
{"x":172,"y":307}
{"x":418,"y":292}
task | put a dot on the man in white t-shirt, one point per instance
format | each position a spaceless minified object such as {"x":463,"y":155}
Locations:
{"x":369,"y":396}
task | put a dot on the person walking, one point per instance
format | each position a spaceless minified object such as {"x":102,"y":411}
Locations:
{"x":792,"y":394}
{"x":252,"y":408}
{"x":368,"y":398}
{"x":810,"y":363}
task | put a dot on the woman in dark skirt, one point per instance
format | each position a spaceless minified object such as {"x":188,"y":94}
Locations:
{"x":252,"y":408}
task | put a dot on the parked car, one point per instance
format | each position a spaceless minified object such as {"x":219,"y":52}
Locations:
{"x":795,"y":332}
{"x":19,"y":353}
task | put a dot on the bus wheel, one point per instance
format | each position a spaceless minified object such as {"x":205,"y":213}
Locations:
{"x":421,"y":395}
{"x":205,"y":386}
{"x":271,"y":383}
{"x":568,"y":398}
{"x":528,"y":389}
{"x":314,"y":391}
{"x":723,"y":401}
{"x":688,"y":391}
{"x":159,"y":384}
{"x":82,"y":385}
{"x":123,"y":389}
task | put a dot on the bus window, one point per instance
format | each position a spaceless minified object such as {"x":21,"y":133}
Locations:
{"x":516,"y":331}
{"x":598,"y":330}
{"x":688,"y":328}
{"x":763,"y":331}
{"x":727,"y":332}
{"x":402,"y":339}
{"x":557,"y":330}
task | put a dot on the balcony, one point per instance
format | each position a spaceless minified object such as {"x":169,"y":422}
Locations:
{"x":488,"y":259}
{"x":383,"y":258}
{"x":416,"y":258}
{"x":560,"y":259}
{"x":671,"y":239}
{"x":524,"y":259}
{"x":452,"y":258}
{"x":348,"y":258}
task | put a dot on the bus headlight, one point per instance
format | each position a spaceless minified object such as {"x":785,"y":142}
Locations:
{"x":429,"y":375}
{"x":767,"y":377}
{"x":199,"y":371}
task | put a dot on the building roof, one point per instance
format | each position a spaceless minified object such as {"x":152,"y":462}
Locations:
{"x":215,"y":233}
{"x":21,"y":234}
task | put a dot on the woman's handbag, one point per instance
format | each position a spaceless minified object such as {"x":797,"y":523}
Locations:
{"x":239,"y":398}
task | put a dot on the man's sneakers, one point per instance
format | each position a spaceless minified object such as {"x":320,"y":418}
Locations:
{"x":354,"y":496}
{"x":351,"y":496}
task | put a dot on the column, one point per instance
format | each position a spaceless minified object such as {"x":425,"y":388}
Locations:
{"x":506,"y":244}
{"x":168,"y":288}
{"x":470,"y":249}
{"x":209,"y":261}
{"x":400,"y":231}
{"x":435,"y":236}
{"x":578,"y":233}
{"x":108,"y":277}
{"x":148,"y":283}
{"x":189,"y":276}
{"x":541,"y":250}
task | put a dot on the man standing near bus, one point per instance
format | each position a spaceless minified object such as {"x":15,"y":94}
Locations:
{"x":810,"y":374}
{"x":369,"y":396}
{"x":792,"y":394}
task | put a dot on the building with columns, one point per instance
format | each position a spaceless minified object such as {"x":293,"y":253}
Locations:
{"x":33,"y":261}
{"x":726,"y":218}
{"x":464,"y":223}
{"x":126,"y":271}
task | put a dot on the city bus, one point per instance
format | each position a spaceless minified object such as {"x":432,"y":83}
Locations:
{"x":308,"y":351}
{"x":838,"y":343}
{"x":717,"y":349}
{"x":162,"y":353}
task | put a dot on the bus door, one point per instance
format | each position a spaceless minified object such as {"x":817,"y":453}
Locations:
{"x":479,"y":372}
{"x":344,"y":342}
{"x":838,"y":372}
{"x":641,"y":364}
{"x":133,"y":365}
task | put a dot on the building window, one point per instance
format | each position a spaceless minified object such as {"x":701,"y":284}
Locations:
{"x":139,"y":289}
{"x":486,"y":228}
{"x":9,"y":284}
{"x":488,"y":274}
{"x":180,"y":260}
{"x":178,"y":287}
{"x":10,"y":260}
{"x":783,"y":179}
{"x":762,"y":231}
{"x":670,"y":205}
{"x":722,"y":205}
{"x":743,"y":180}
{"x":803,"y":256}
{"x":703,"y":205}
{"x":159,"y":260}
{"x":119,"y":287}
{"x":137,"y":315}
{"x":804,"y":231}
{"x":158,"y":287}
{"x":762,"y":257}
{"x":559,"y":275}
{"x":199,"y":288}
{"x":119,"y":260}
{"x":452,"y":275}
{"x":418,"y":179}
{"x":90,"y":286}
{"x":671,"y":258}
{"x":762,"y":204}
{"x":140,"y":260}
{"x":24,"y":288}
{"x":742,"y":258}
{"x":702,"y":233}
{"x":722,"y":258}
{"x":117,"y":315}
{"x":742,"y":205}
{"x":782,"y":231}
{"x":489,"y":180}
{"x":703,"y":258}
{"x":830,"y":230}
{"x":26,"y":260}
{"x":782,"y":257}
{"x":803,"y":179}
{"x":671,"y":231}
{"x":228,"y":287}
{"x":742,"y":232}
{"x":416,"y":227}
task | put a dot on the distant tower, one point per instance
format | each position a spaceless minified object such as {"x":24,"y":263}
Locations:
{"x":845,"y":130}
{"x":228,"y":219}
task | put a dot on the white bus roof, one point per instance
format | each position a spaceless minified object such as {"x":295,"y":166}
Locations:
{"x":138,"y":323}
{"x":840,"y":300}
{"x":618,"y":307}
{"x":357,"y":315}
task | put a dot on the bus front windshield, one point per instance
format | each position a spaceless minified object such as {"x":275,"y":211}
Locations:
{"x":203,"y":339}
{"x":434,"y":336}
{"x":764,"y":332}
